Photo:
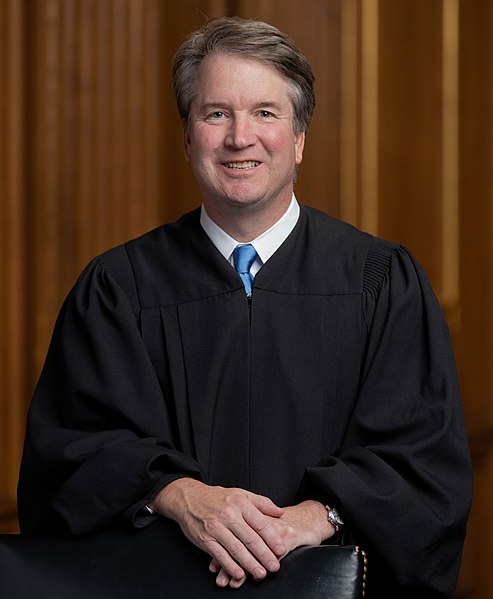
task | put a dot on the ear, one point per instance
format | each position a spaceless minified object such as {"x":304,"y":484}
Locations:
{"x":299,"y":144}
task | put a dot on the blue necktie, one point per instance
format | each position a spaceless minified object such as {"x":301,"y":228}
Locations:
{"x":243,"y":257}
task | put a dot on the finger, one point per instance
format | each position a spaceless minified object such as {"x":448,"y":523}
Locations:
{"x":214,"y":567}
{"x":223,"y":579}
{"x":269,"y":534}
{"x":266,"y":505}
{"x":226,"y":564}
{"x":255,"y":528}
{"x":235,"y":553}
{"x":235,"y":583}
{"x":248,"y":544}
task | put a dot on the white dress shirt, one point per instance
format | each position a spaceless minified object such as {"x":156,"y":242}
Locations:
{"x":265,"y":244}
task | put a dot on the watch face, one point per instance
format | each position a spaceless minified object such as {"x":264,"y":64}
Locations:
{"x":334,"y":514}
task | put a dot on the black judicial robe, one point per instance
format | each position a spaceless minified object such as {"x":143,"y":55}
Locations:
{"x":337,"y":383}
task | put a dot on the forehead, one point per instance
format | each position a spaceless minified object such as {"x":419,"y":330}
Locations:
{"x":230,"y":76}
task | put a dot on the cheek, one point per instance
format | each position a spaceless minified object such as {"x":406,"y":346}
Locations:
{"x":274,"y":137}
{"x":206,"y":148}
{"x":201,"y":142}
{"x":279,"y":140}
{"x":284,"y":149}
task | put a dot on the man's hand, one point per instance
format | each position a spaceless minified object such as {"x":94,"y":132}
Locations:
{"x":302,"y":524}
{"x":236,"y":527}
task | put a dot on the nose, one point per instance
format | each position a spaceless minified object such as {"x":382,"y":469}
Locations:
{"x":241,"y":132}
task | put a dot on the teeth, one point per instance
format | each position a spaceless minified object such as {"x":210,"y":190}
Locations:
{"x":242,"y":165}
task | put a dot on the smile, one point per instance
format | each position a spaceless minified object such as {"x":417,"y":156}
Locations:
{"x":241,"y":165}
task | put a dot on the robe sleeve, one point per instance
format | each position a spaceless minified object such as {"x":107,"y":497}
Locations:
{"x":402,"y":477}
{"x":99,"y":440}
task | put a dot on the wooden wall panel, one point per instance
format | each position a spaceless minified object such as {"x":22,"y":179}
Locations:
{"x":418,"y":102}
{"x":475,"y":343}
{"x":359,"y":89}
{"x":92,"y":161}
{"x":106,"y":160}
{"x":410,"y":110}
{"x":12,"y":258}
{"x":314,"y":25}
{"x":178,"y":22}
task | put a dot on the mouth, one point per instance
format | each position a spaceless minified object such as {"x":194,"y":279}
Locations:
{"x":241,"y":166}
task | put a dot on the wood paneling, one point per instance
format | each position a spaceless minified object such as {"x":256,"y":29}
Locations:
{"x":105,"y":160}
{"x":95,"y":176}
{"x":13,"y":271}
{"x":475,"y":343}
{"x":315,"y":27}
{"x":410,"y":111}
{"x":419,"y":103}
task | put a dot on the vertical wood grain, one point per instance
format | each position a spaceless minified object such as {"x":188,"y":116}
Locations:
{"x":314,"y":25}
{"x":86,"y":217}
{"x":12,"y":252}
{"x":350,"y":106}
{"x":410,"y":130}
{"x":369,"y":116}
{"x":475,"y":343}
{"x":450,"y":161}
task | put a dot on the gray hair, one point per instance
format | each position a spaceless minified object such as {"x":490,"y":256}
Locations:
{"x":250,"y":39}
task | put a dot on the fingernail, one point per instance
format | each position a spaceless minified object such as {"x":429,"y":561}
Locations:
{"x":280,"y":549}
{"x":259,"y":573}
{"x":273,"y":566}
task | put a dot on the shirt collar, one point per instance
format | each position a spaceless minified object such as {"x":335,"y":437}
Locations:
{"x":265,"y":244}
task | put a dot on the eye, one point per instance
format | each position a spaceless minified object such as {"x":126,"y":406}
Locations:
{"x":217,"y":114}
{"x":265,"y":114}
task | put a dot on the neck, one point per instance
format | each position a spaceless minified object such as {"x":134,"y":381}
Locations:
{"x":246,"y":223}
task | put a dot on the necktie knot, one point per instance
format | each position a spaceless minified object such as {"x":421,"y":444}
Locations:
{"x":243,"y":257}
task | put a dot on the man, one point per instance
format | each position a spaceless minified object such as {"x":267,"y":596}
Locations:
{"x":311,"y":391}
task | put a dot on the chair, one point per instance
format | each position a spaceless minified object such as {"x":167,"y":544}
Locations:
{"x":158,"y":562}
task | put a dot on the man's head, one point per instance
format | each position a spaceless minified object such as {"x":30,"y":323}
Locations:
{"x":248,"y":39}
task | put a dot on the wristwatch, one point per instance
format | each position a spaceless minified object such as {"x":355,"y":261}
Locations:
{"x":334,"y":518}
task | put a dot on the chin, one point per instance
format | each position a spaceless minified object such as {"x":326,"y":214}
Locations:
{"x":244,"y":202}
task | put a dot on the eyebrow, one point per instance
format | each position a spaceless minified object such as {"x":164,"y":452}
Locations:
{"x":272,"y":104}
{"x":223,"y":105}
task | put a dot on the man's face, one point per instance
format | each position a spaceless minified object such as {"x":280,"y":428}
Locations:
{"x":240,"y":142}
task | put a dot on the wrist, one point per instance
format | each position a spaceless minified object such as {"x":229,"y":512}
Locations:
{"x":170,"y":498}
{"x":321,"y":526}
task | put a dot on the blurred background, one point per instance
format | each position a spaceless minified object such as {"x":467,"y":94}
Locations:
{"x":401,"y":145}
